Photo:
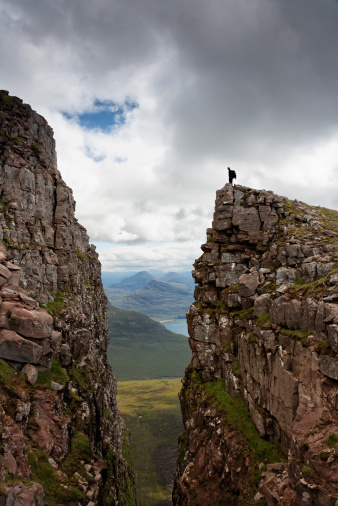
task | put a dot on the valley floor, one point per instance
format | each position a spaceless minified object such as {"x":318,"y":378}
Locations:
{"x":152,"y":413}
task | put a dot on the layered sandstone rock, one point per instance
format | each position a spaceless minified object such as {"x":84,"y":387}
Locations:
{"x":57,"y":391}
{"x":264,"y":330}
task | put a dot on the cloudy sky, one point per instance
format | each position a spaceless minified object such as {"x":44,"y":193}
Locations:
{"x":151,"y":100}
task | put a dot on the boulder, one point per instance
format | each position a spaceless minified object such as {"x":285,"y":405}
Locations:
{"x":328,"y":366}
{"x":16,"y":348}
{"x":35,"y":323}
{"x":31,"y":373}
{"x":56,"y":341}
{"x":248,"y":284}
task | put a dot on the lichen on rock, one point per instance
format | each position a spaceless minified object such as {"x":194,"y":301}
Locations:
{"x":263,"y":330}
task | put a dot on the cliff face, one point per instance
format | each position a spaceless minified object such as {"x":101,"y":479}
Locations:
{"x":62,"y":437}
{"x":259,"y":400}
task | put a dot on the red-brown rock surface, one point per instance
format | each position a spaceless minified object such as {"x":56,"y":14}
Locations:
{"x":263,"y":329}
{"x":52,"y":308}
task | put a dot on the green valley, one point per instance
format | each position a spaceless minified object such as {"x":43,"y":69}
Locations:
{"x":141,"y":348}
{"x":149,"y":362}
{"x":152,"y":413}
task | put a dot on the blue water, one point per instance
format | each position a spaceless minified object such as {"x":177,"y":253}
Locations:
{"x":178,"y":326}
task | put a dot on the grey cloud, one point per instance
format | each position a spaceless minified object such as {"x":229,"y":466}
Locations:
{"x":245,"y":84}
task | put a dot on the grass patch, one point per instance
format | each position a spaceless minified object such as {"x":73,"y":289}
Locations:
{"x":270,"y":288}
{"x":231,"y":289}
{"x":251,"y":338}
{"x":235,"y":368}
{"x":54,"y":306}
{"x":264,"y":320}
{"x":82,"y":256}
{"x":227,"y":346}
{"x":324,"y":346}
{"x":243,"y":313}
{"x":79,"y":376}
{"x":332,"y":440}
{"x":56,"y":373}
{"x":308,"y":472}
{"x":44,"y":473}
{"x":238,"y":417}
{"x":310,"y":288}
{"x":80,"y":451}
{"x":300,"y":335}
{"x":6,"y":374}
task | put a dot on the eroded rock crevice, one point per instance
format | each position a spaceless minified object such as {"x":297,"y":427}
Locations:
{"x":264,"y":330}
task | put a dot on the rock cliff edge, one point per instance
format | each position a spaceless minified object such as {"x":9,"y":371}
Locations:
{"x":259,"y":400}
{"x":62,"y":438}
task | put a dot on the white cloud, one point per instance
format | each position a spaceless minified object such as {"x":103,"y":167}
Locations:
{"x":168,"y":257}
{"x":222,"y":83}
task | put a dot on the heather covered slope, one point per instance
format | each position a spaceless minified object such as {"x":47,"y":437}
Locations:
{"x":259,"y":400}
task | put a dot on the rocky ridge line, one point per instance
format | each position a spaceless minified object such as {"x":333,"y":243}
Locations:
{"x":62,"y":437}
{"x":264,"y":337}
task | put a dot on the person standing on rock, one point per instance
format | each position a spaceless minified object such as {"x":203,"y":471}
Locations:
{"x":232,"y":175}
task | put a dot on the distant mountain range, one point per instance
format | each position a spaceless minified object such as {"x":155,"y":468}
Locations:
{"x":140,"y":348}
{"x":165,"y":298}
{"x":135,"y":282}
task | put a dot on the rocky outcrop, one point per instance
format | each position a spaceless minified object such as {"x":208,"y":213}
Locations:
{"x":62,"y":437}
{"x":259,"y":400}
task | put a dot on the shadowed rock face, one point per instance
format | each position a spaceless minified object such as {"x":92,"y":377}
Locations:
{"x":263,"y":329}
{"x":52,"y":307}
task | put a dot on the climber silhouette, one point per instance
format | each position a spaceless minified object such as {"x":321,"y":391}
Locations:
{"x":232,"y":175}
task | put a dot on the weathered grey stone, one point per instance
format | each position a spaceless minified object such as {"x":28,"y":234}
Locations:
{"x":262,"y":304}
{"x":246,"y":219}
{"x":228,"y":275}
{"x":224,"y":224}
{"x":334,"y":279}
{"x":81,"y":343}
{"x":31,"y":373}
{"x":333,"y":337}
{"x":16,"y":348}
{"x":65,"y":355}
{"x":248,"y":284}
{"x":56,"y":386}
{"x":293,"y":313}
{"x":285,"y":275}
{"x":14,"y":278}
{"x":328,"y":366}
{"x":35,"y":323}
{"x":203,"y":329}
{"x":56,"y":340}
